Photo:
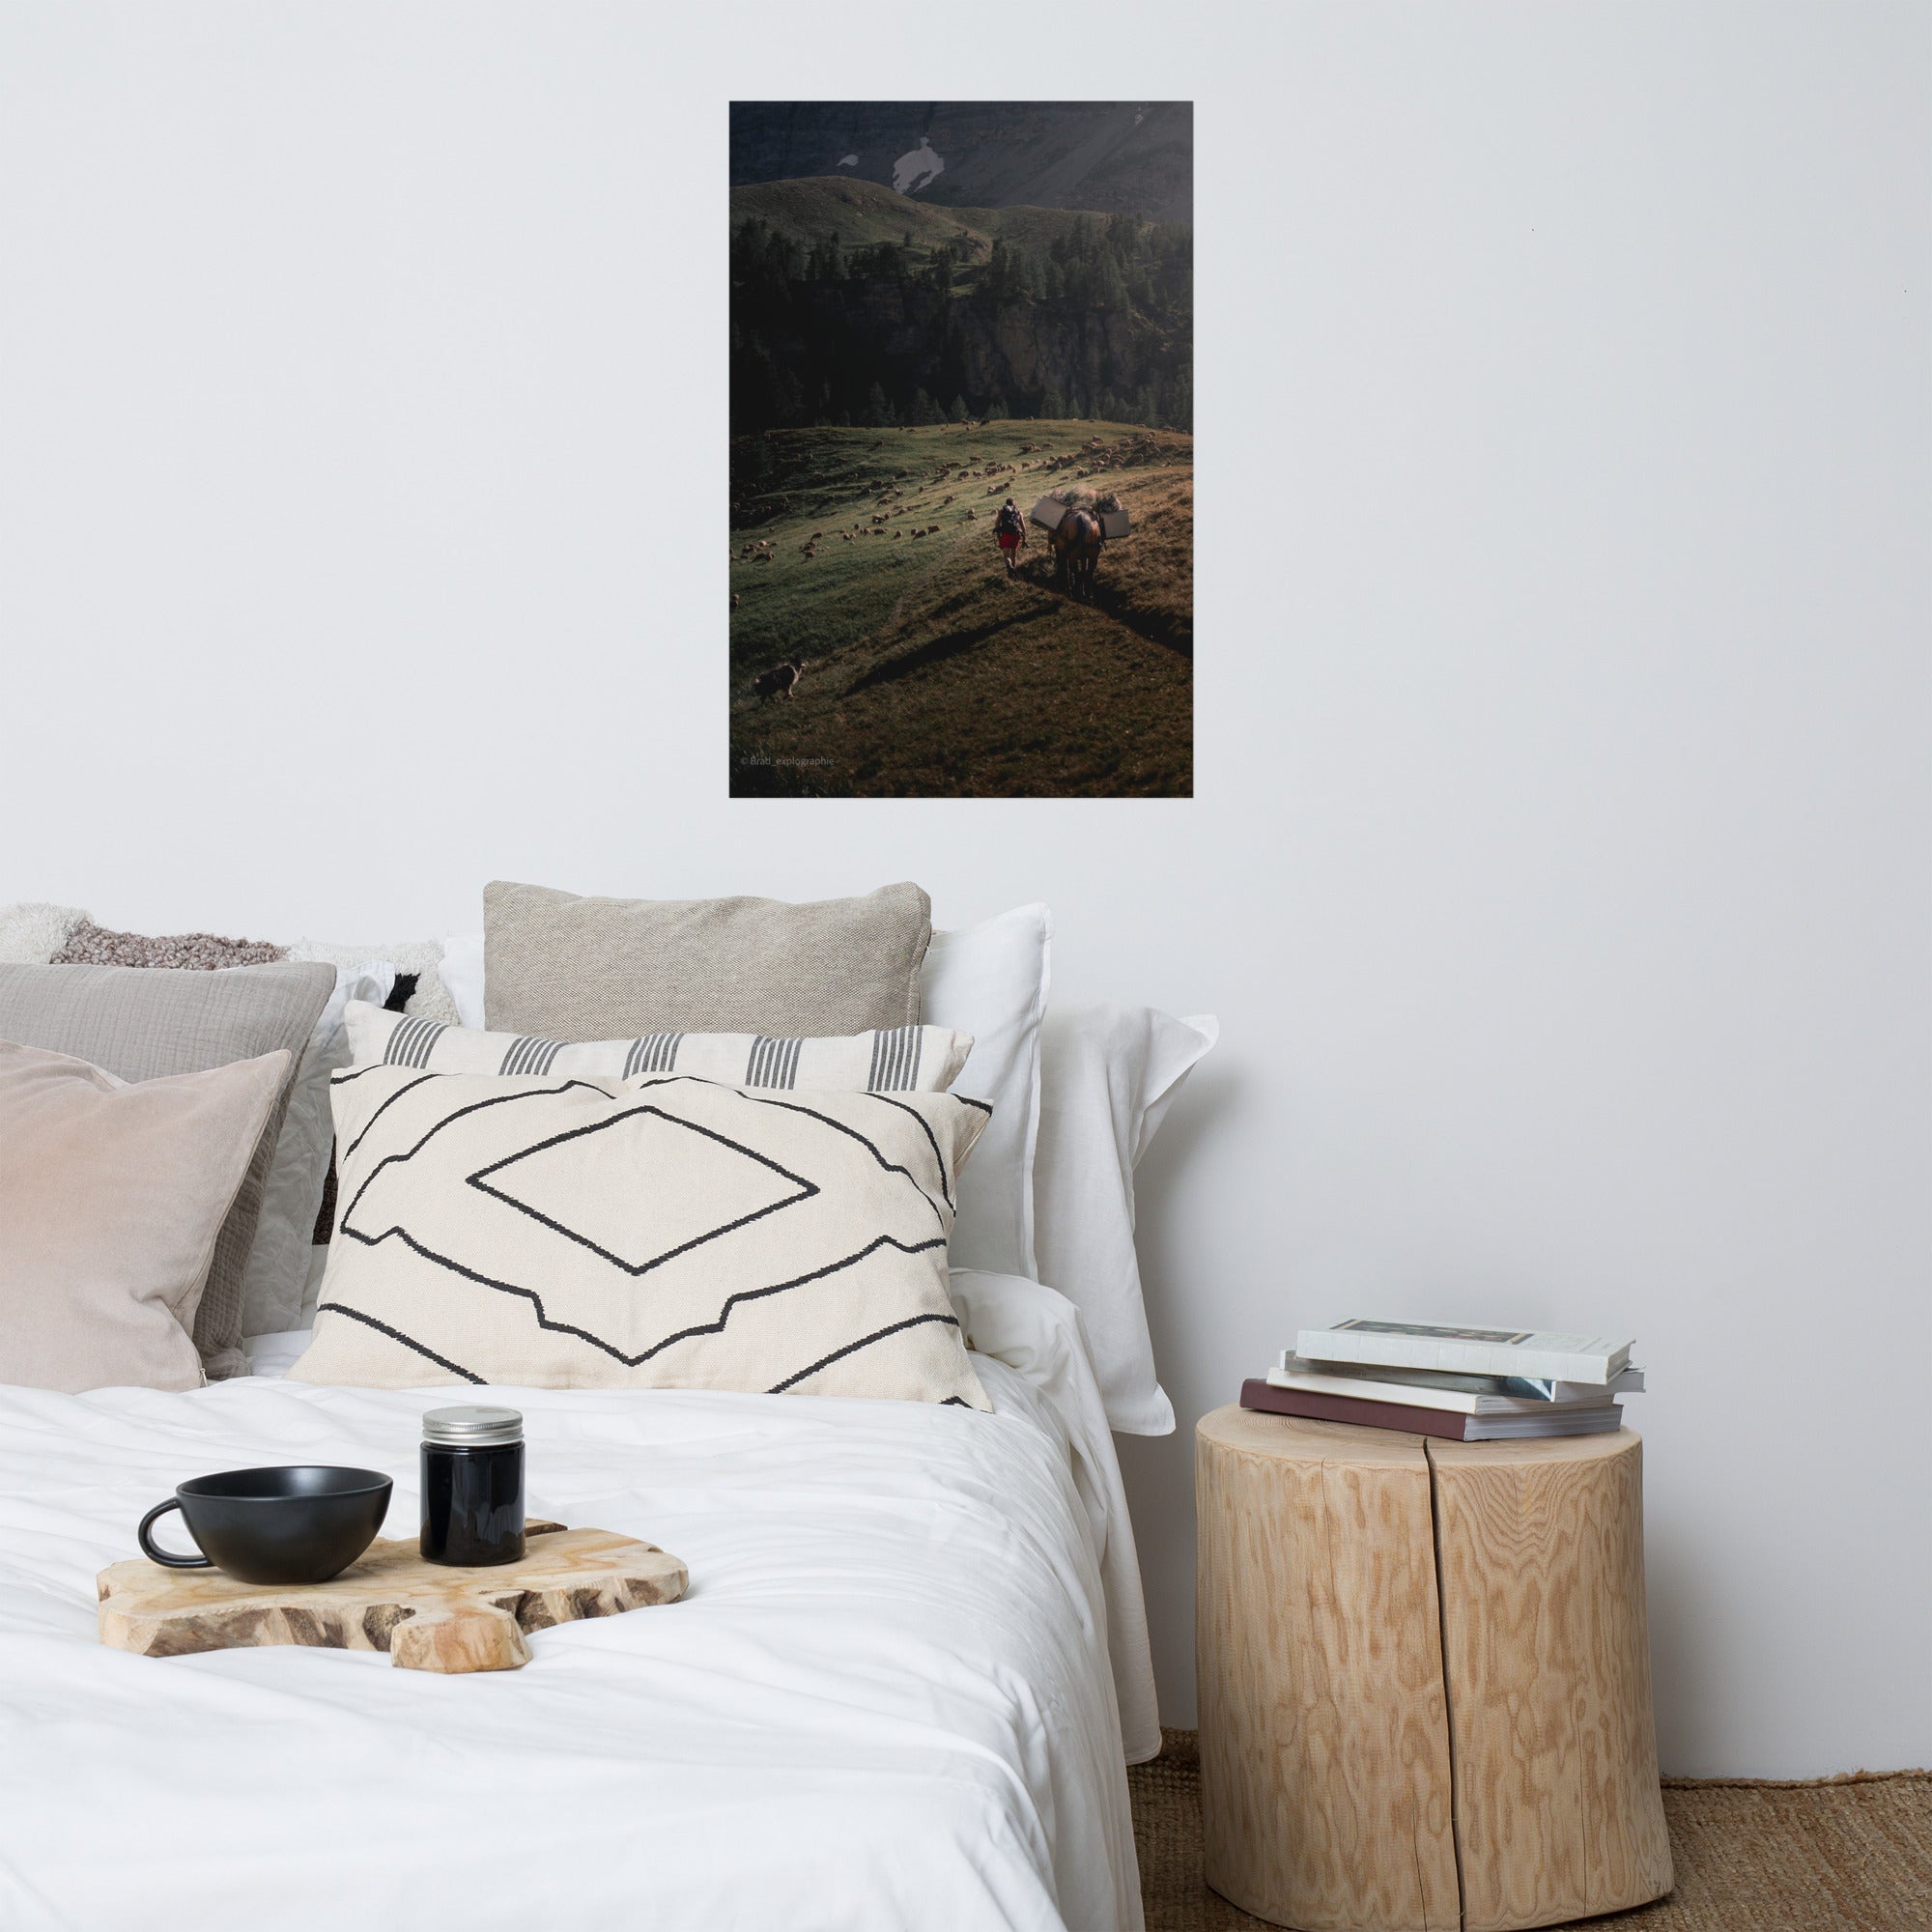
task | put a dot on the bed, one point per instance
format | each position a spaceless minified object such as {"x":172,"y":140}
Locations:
{"x":901,"y":1690}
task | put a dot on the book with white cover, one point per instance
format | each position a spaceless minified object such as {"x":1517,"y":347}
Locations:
{"x":1596,"y":1418}
{"x":1532,"y":1388}
{"x":1468,"y":1350}
{"x":1456,"y":1395}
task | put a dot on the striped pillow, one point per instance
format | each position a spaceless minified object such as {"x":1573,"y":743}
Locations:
{"x":896,"y":1060}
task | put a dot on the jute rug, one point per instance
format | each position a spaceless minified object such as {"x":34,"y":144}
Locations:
{"x":1849,"y":1855}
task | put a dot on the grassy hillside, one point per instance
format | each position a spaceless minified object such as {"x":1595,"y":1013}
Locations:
{"x":930,"y":671}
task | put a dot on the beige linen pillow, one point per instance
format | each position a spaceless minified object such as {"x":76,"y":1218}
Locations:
{"x":655,"y":1233}
{"x":112,"y":1195}
{"x":141,"y":1025}
{"x":570,"y":967}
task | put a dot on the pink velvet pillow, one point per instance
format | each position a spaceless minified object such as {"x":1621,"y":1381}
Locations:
{"x":111,"y":1196}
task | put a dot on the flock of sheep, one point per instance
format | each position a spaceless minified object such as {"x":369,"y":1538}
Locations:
{"x":1094,"y":456}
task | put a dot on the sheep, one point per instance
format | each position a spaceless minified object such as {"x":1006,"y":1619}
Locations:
{"x":734,"y":600}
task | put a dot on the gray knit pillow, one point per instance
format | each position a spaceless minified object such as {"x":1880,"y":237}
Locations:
{"x":91,"y":945}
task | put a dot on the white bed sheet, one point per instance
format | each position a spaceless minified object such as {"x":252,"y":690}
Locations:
{"x":886,"y":1702}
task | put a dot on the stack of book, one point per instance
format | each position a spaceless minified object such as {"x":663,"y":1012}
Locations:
{"x":1468,"y":1384}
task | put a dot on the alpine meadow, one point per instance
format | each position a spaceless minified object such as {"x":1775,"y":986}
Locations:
{"x":962,"y":451}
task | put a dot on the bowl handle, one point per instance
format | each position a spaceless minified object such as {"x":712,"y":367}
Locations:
{"x":154,"y":1551}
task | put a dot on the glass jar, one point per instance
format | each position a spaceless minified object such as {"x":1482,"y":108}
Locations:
{"x":472,"y":1486}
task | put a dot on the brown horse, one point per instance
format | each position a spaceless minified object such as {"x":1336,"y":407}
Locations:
{"x":1076,"y":548}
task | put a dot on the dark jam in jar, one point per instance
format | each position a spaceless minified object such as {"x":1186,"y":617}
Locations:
{"x":472,"y":1486}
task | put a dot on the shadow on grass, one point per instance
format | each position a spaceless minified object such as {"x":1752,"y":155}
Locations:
{"x":1043,"y":576}
{"x":952,"y":645}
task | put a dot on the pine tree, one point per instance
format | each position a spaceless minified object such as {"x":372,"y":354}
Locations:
{"x":925,"y":409}
{"x":1183,"y":411}
{"x":996,"y":409}
{"x":878,"y":411}
{"x":957,"y":413}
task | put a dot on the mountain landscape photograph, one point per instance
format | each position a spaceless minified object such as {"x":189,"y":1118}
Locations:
{"x":962,"y":449}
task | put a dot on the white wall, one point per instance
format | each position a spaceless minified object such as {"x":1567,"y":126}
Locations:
{"x":1558,"y":868}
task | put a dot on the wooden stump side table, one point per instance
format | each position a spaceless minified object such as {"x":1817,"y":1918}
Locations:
{"x":1424,"y":1676}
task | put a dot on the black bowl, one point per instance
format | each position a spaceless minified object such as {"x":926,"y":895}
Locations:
{"x":302,"y":1524}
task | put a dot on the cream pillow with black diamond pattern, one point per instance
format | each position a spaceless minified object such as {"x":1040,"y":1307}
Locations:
{"x":660,"y":1231}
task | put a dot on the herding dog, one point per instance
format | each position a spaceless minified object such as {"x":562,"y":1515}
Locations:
{"x":780,"y":681}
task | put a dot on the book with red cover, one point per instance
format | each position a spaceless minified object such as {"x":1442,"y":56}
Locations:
{"x":1600,"y":1419}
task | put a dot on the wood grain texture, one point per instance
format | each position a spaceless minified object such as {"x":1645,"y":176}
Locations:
{"x":1547,"y":1654}
{"x":426,"y":1615}
{"x":1325,"y":1762}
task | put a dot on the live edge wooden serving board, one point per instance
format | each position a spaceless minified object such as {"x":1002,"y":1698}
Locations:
{"x":426,"y":1615}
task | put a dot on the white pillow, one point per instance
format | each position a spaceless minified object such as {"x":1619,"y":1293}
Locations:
{"x":277,"y":1265}
{"x":421,"y":956}
{"x":991,"y":981}
{"x":1108,"y":1077}
{"x":461,"y":975}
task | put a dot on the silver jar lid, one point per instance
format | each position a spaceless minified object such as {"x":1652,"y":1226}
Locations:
{"x":472,"y":1428}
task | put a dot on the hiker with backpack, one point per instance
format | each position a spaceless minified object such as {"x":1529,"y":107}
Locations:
{"x":1009,"y":527}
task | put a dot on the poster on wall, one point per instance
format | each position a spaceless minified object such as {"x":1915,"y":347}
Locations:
{"x":962,"y":449}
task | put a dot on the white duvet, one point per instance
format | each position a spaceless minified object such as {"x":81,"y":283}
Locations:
{"x":887,"y":1701}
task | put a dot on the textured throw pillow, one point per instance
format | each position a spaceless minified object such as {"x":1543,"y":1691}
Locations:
{"x":112,"y":1194}
{"x":31,"y":933}
{"x":417,"y":964}
{"x":569,"y":968}
{"x":141,"y":1025}
{"x":91,"y":945}
{"x":658,"y":1233}
{"x":922,"y":1060}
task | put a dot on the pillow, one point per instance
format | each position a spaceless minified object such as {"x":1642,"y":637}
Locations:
{"x":421,"y":959}
{"x":569,"y":968}
{"x":461,"y":971}
{"x":990,"y":981}
{"x":139,"y":1025}
{"x":292,"y":1190}
{"x":53,"y":935}
{"x":1108,"y":1077}
{"x":278,"y":1259}
{"x":91,"y":945}
{"x":657,"y":1233}
{"x":32,"y":933}
{"x":907,"y":1058}
{"x":112,"y":1195}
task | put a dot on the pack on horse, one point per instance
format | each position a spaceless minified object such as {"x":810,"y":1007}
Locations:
{"x":1076,"y":549}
